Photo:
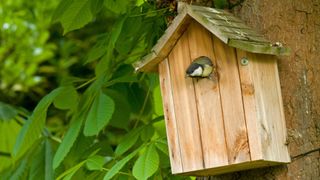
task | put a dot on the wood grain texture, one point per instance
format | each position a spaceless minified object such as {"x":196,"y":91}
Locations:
{"x":185,"y":107}
{"x":270,"y":112}
{"x":208,"y":101}
{"x":170,"y":118}
{"x":230,"y":90}
{"x":165,"y":43}
{"x":251,"y":108}
{"x":228,"y":28}
{"x":232,"y":168}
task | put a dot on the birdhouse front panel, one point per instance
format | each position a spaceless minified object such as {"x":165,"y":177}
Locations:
{"x":231,"y":122}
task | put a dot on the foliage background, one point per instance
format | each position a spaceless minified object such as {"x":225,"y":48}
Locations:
{"x":71,"y":104}
{"x":54,"y":79}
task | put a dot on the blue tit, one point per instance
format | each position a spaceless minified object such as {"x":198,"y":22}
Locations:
{"x":201,"y":67}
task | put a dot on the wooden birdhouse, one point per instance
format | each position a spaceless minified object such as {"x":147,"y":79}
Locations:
{"x":233,"y":122}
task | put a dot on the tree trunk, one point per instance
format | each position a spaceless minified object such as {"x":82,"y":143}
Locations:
{"x":296,"y":24}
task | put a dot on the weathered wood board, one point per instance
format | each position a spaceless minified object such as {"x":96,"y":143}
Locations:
{"x":170,"y":117}
{"x":185,"y":107}
{"x":234,"y":120}
{"x":208,"y":101}
{"x":230,"y":123}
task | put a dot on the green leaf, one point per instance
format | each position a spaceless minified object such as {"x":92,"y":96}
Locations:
{"x":68,"y":141}
{"x":7,"y":112}
{"x":121,"y":115}
{"x":9,"y":131}
{"x":95,"y":162}
{"x":96,"y":6}
{"x":68,"y":99}
{"x":147,"y":164}
{"x":59,"y":11}
{"x":40,"y":165}
{"x":129,"y":36}
{"x":157,"y":101}
{"x":73,"y":14}
{"x":162,"y":146}
{"x":220,"y":4}
{"x":70,"y":172}
{"x":139,"y":2}
{"x":160,"y":127}
{"x":127,"y":142}
{"x":117,"y":6}
{"x":48,"y":161}
{"x":20,"y":170}
{"x":99,"y":49}
{"x":104,"y":65}
{"x":32,"y":129}
{"x":119,"y":165}
{"x":147,"y":132}
{"x":122,"y":79}
{"x":99,"y":115}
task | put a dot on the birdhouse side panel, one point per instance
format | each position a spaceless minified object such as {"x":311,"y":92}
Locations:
{"x":232,"y":105}
{"x":270,"y":108}
{"x":250,"y":106}
{"x":170,"y":119}
{"x":185,"y":107}
{"x":208,"y":101}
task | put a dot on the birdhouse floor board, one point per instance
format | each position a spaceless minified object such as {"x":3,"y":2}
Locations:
{"x":232,"y":168}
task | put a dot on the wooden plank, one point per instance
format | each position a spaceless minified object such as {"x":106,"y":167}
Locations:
{"x":206,"y":9}
{"x":216,"y":22}
{"x":232,"y":168}
{"x":205,"y":23}
{"x":263,"y":48}
{"x":234,"y":120}
{"x":170,"y":118}
{"x":185,"y":107}
{"x":146,"y":64}
{"x":221,"y":17}
{"x":270,"y":112}
{"x":250,"y":107}
{"x":172,"y":34}
{"x":246,"y":32}
{"x":208,"y":101}
{"x":164,"y":45}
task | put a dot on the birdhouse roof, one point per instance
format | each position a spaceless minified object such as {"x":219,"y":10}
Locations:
{"x":224,"y":25}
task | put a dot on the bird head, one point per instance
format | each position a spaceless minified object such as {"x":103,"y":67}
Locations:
{"x":200,"y":67}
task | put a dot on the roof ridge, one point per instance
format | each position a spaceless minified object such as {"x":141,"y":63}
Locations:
{"x":224,"y":25}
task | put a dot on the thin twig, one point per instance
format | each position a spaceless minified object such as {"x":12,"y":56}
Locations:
{"x":142,"y":108}
{"x":86,"y":83}
{"x":6,"y":154}
{"x":148,"y":13}
{"x":120,"y":172}
{"x":304,"y":154}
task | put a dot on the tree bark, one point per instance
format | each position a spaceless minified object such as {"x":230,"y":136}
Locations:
{"x":296,"y":24}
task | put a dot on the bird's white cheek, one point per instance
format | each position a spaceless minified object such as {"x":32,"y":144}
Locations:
{"x":197,"y":72}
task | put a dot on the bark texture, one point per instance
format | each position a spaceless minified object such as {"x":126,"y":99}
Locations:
{"x":296,"y":24}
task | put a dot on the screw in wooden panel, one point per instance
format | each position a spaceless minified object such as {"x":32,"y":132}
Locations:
{"x":244,"y":61}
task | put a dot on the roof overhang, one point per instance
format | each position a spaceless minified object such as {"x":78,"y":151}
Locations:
{"x":224,"y":25}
